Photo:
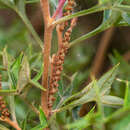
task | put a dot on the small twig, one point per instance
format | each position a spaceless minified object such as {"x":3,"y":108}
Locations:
{"x":59,"y":8}
{"x":13,"y":124}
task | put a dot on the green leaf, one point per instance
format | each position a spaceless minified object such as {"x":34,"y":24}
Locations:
{"x":20,"y":6}
{"x":36,"y":84}
{"x":127,"y":95}
{"x":24,"y":74}
{"x":122,"y":8}
{"x":105,"y":82}
{"x":123,"y":124}
{"x":43,"y":121}
{"x":69,"y":90}
{"x":126,"y":17}
{"x":113,"y":19}
{"x":31,"y":1}
{"x":14,"y":70}
{"x":94,"y":9}
{"x":112,"y":101}
{"x":3,"y":127}
{"x":2,"y":5}
{"x":39,"y":74}
{"x":42,"y":118}
{"x":122,"y":22}
{"x":7,"y":92}
{"x":24,"y":122}
{"x":83,"y":122}
{"x":106,"y":15}
{"x":2,"y":68}
{"x":119,"y":120}
{"x":54,"y":3}
{"x":5,"y":58}
{"x":38,"y":127}
{"x":118,"y":115}
{"x":111,"y":1}
{"x":8,"y":3}
{"x":88,"y":93}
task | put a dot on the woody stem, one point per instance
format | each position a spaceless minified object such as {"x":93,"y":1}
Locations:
{"x":46,"y":53}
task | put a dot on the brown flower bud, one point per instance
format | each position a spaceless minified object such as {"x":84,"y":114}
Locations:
{"x":62,"y":27}
{"x":3,"y":117}
{"x":69,"y":30}
{"x":71,"y":3}
{"x":52,"y":99}
{"x":7,"y":114}
{"x":2,"y":102}
{"x":62,"y":57}
{"x":66,"y":23}
{"x":3,"y":106}
{"x":50,"y":105}
{"x":67,"y":34}
{"x":55,"y":84}
{"x":1,"y":98}
{"x":53,"y":91}
{"x":59,"y":63}
{"x":69,"y":7}
{"x":57,"y":78}
{"x":58,"y":72}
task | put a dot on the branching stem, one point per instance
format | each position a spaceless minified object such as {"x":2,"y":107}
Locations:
{"x":13,"y":124}
{"x":46,"y":53}
{"x":59,"y":8}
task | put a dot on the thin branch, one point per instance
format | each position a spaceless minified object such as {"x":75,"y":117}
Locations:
{"x":13,"y":124}
{"x":59,"y":8}
{"x":94,"y":9}
{"x":45,"y":11}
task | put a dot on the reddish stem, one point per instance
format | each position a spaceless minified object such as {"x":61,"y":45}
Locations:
{"x":59,"y":8}
{"x":46,"y":53}
{"x":13,"y":124}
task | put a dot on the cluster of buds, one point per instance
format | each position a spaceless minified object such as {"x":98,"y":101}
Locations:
{"x":68,"y":11}
{"x":58,"y":58}
{"x":3,"y":109}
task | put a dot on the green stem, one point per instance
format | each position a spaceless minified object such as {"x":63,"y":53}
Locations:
{"x":94,"y":9}
{"x":88,"y":35}
{"x":118,"y":115}
{"x":30,"y":28}
{"x":32,"y":1}
{"x":122,"y":8}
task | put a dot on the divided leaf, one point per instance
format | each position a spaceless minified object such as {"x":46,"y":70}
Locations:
{"x":88,"y":93}
{"x":24,"y":74}
{"x":43,"y":121}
